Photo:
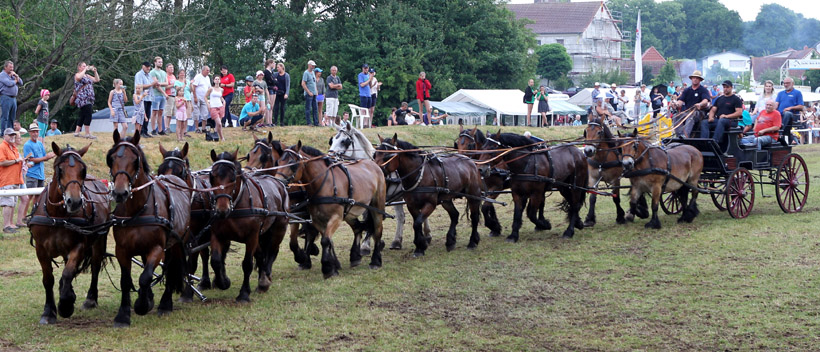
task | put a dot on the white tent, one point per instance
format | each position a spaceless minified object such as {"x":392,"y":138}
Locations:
{"x":509,"y":102}
{"x":584,"y":97}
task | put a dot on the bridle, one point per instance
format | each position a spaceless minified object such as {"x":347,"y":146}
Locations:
{"x":346,"y":143}
{"x":294,"y":167}
{"x":265,"y":157}
{"x":119,"y":154}
{"x":73,"y":157}
{"x":465,"y":134}
{"x":181,"y":162}
{"x":232,"y":200}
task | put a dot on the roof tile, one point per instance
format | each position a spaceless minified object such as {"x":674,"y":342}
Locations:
{"x":552,"y":17}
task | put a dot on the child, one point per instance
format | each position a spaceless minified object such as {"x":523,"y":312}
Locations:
{"x":53,"y":131}
{"x":116,"y":104}
{"x":139,"y":114}
{"x":42,"y":112}
{"x":182,"y":119}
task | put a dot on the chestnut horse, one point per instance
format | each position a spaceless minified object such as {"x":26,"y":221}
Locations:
{"x":536,"y":171}
{"x":656,"y":170}
{"x":603,"y":154}
{"x":151,"y":221}
{"x":430,"y":180}
{"x":249,"y":209}
{"x":338,"y":191}
{"x":70,"y":221}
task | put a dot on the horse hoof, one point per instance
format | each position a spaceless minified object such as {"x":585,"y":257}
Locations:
{"x":365,"y":252}
{"x":541,"y":228}
{"x":355,"y":263}
{"x":47,"y":320}
{"x":374,"y":266}
{"x":89,"y":304}
{"x":651,"y":225}
{"x":396,"y":245}
{"x":619,"y":221}
{"x":451,"y":247}
{"x":304,"y":267}
{"x":494,"y":234}
{"x":163,"y":312}
{"x":313,"y":249}
{"x":418,"y":254}
{"x":223,"y":284}
{"x":65,"y":309}
{"x":331,"y":274}
{"x":243,"y":300}
{"x":184,"y":299}
{"x":429,"y":239}
{"x":118,"y":324}
{"x":589,"y":223}
{"x":204,"y":285}
{"x":472,"y":246}
{"x":511,"y":239}
{"x":262,"y":289}
{"x":566,"y":236}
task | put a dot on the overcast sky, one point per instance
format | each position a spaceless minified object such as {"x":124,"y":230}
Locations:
{"x":748,"y":9}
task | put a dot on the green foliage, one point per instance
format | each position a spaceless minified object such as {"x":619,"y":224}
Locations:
{"x":617,"y":77}
{"x":667,"y":74}
{"x":777,"y":28}
{"x":562,"y":83}
{"x":647,"y":74}
{"x":812,"y":79}
{"x":553,"y":61}
{"x":771,"y":75}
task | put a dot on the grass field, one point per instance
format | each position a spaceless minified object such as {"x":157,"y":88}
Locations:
{"x":715,"y":284}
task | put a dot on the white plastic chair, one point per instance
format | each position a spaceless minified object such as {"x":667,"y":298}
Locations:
{"x":359,"y":116}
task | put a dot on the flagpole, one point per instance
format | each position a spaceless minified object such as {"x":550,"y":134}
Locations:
{"x":638,"y":53}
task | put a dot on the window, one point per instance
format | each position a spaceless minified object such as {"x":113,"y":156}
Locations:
{"x":538,"y":41}
{"x":560,"y":41}
{"x":741,"y":64}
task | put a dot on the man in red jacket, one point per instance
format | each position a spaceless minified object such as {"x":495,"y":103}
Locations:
{"x":423,"y":93}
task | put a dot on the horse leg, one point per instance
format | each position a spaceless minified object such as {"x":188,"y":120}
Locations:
{"x":50,"y":309}
{"x":145,"y":295}
{"x":65,"y":307}
{"x":221,"y":280}
{"x":277,"y":235}
{"x":97,"y":257}
{"x":299,"y":255}
{"x":450,"y":241}
{"x":474,"y":206}
{"x":634,"y":196}
{"x":490,"y":219}
{"x":536,"y":203}
{"x":655,"y":223}
{"x":205,"y":283}
{"x":377,"y":228}
{"x":691,"y":211}
{"x":330,"y":263}
{"x":419,"y":217}
{"x":251,"y":246}
{"x":123,"y":318}
{"x":356,"y":248}
{"x":520,"y":203}
{"x":397,"y":239}
{"x":175,"y":273}
{"x":590,"y":219}
{"x":619,"y":211}
{"x":642,"y":210}
{"x":426,"y":230}
{"x":574,"y":199}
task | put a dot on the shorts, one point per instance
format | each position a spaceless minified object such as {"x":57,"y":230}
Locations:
{"x":170,"y":106}
{"x":8,"y":201}
{"x":332,"y":107}
{"x":373,"y":100}
{"x":320,"y":98}
{"x":217,"y":113}
{"x":158,"y":103}
{"x":181,"y":115}
{"x":253,"y":120}
{"x":32,"y":182}
{"x":119,"y":116}
{"x":364,"y":101}
{"x":200,"y":110}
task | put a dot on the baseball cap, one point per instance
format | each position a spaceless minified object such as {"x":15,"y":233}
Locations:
{"x":22,"y":131}
{"x":259,"y":73}
{"x":249,"y":78}
{"x":54,"y":121}
{"x":365,"y":66}
{"x":728,"y":83}
{"x":9,"y":131}
{"x":146,"y":64}
{"x":311,"y":63}
{"x":372,"y":70}
{"x":317,"y":70}
{"x":33,"y":127}
{"x":597,"y":84}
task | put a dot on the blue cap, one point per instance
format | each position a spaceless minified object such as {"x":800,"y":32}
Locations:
{"x":365,"y":66}
{"x":318,"y":70}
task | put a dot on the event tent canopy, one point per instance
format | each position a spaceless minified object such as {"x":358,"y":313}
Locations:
{"x":505,"y":101}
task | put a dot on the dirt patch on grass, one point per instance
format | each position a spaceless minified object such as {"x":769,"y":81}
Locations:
{"x":8,"y":346}
{"x":14,"y":273}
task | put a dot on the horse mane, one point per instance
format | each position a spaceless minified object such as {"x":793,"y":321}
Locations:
{"x":479,"y":137}
{"x":310,"y":150}
{"x":145,"y":166}
{"x":513,"y":140}
{"x":364,"y":142}
{"x":402,"y":145}
{"x":607,"y":132}
{"x":277,"y":145}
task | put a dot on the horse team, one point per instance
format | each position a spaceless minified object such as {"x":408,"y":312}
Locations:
{"x":175,"y":217}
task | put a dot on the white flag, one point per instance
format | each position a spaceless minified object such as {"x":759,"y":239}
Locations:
{"x":638,"y":52}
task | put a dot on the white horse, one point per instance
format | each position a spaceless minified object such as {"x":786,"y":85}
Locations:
{"x":352,"y":143}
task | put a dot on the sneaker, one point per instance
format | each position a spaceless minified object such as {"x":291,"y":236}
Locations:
{"x":147,"y":135}
{"x":161,"y":133}
{"x":198,"y":131}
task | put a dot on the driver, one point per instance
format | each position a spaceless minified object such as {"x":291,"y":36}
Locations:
{"x":697,"y":96}
{"x":724,"y":114}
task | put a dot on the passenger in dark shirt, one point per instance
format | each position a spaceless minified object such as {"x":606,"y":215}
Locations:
{"x":697,"y":96}
{"x":724,"y":114}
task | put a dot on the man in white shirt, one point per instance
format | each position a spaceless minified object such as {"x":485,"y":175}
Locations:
{"x":200,"y":86}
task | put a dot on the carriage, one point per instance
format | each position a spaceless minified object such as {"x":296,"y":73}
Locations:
{"x":730,"y":178}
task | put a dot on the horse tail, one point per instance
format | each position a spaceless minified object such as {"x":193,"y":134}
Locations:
{"x":175,"y":267}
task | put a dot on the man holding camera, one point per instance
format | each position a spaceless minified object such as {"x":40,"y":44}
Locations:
{"x":10,"y":83}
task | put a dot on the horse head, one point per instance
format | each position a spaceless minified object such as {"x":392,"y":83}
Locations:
{"x":69,"y":175}
{"x":264,"y":153}
{"x":469,"y":139}
{"x":175,"y":162}
{"x":126,"y":163}
{"x":226,"y":175}
{"x":596,"y":134}
{"x":351,"y":143}
{"x":385,"y":157}
{"x":632,"y":151}
{"x":291,"y":165}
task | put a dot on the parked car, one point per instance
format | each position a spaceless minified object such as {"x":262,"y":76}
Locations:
{"x":573,"y":90}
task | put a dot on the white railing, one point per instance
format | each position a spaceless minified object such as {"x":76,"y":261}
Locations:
{"x":810,"y":135}
{"x":21,"y":192}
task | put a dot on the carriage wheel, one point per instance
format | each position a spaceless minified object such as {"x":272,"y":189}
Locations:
{"x":740,"y":193}
{"x":670,"y":203}
{"x":792,"y":184}
{"x":719,"y":198}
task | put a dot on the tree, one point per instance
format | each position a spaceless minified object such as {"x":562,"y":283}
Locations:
{"x":617,"y":77}
{"x":647,"y":74}
{"x":770,"y":75}
{"x":553,"y":61}
{"x":717,"y":74}
{"x":666,"y":75}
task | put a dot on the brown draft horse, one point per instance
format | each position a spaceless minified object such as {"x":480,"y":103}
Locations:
{"x":151,"y":221}
{"x":70,"y":221}
{"x":263,"y":156}
{"x":604,"y":165}
{"x":536,"y":171}
{"x":498,"y":179}
{"x":336,"y":192}
{"x":175,"y":162}
{"x":656,"y":170}
{"x":249,"y":209}
{"x":430,"y":180}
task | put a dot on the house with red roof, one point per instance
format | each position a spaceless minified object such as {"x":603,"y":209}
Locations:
{"x":774,"y":62}
{"x":588,"y":30}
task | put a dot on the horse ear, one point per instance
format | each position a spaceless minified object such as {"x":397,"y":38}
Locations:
{"x":460,"y":128}
{"x":381,"y":140}
{"x":337,"y":120}
{"x":348,"y":127}
{"x":395,"y":138}
{"x":475,"y":129}
{"x":162,"y":150}
{"x":184,"y":151}
{"x":635,"y":132}
{"x":619,"y":133}
{"x":213,"y":156}
{"x":84,"y":150}
{"x":270,"y":136}
{"x":253,"y":135}
{"x":585,"y":133}
{"x":298,"y":146}
{"x":56,"y":149}
{"x":136,"y":139}
{"x":498,"y":133}
{"x":278,"y":148}
{"x":117,"y":136}
{"x":235,"y":153}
